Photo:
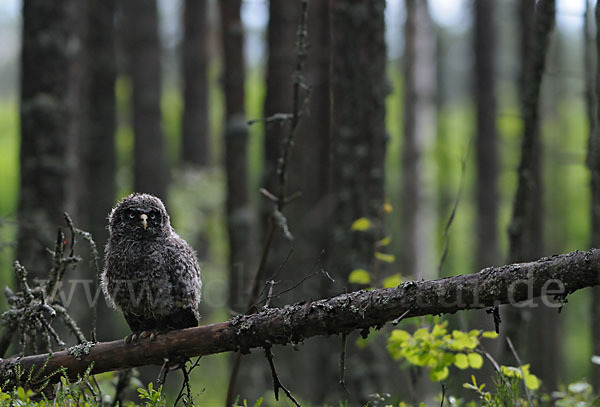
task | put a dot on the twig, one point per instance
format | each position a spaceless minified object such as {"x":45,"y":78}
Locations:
{"x":343,"y":364}
{"x":280,"y":199}
{"x":496,"y":366}
{"x":277,"y":117}
{"x":461,"y":184}
{"x":276,"y":382}
{"x":443,"y":392}
{"x":164,"y":370}
{"x":123,"y":380}
{"x":514,"y":352}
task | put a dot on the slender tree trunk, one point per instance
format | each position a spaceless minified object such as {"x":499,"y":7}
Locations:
{"x":97,"y":189}
{"x":419,"y":131}
{"x":195,"y":135}
{"x":486,"y":140}
{"x":236,"y":163}
{"x":526,"y":231}
{"x":593,"y":95}
{"x":140,"y":28}
{"x":308,"y":216}
{"x":281,"y":38}
{"x":255,"y":378}
{"x":46,"y":164}
{"x":359,"y":87}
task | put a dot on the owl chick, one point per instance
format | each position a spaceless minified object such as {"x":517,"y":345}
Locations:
{"x":150,"y":273}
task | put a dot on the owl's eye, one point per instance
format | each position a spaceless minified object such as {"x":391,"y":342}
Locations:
{"x":152,"y":215}
{"x":131,"y":215}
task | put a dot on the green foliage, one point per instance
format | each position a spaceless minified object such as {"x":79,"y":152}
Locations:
{"x":438,"y":349}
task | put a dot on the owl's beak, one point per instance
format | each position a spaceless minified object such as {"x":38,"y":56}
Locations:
{"x":144,"y":219}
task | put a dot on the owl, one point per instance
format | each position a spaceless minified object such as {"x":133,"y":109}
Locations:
{"x":150,"y":273}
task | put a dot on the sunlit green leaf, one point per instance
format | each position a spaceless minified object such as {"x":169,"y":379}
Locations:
{"x":489,"y":334}
{"x":475,"y":360}
{"x":439,"y":375}
{"x":392,"y":281}
{"x":385,"y":257}
{"x":359,"y":276}
{"x":384,"y":242}
{"x":361,"y":224}
{"x":461,"y":361}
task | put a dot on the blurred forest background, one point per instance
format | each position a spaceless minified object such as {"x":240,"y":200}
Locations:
{"x":420,"y":116}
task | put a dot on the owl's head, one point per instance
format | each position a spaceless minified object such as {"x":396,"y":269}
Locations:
{"x":139,"y":216}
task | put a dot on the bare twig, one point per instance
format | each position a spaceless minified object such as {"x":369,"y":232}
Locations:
{"x":343,"y":363}
{"x":514,"y":352}
{"x":277,"y":218}
{"x":276,"y":382}
{"x":461,"y":185}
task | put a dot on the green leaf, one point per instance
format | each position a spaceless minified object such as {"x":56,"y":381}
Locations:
{"x":385,"y":257}
{"x":461,"y":361}
{"x":532,"y":382}
{"x":384,"y":242}
{"x":437,"y":375}
{"x":475,"y":360}
{"x":361,"y":224}
{"x":392,"y":281}
{"x":399,"y":335}
{"x":359,"y":276}
{"x":489,"y":334}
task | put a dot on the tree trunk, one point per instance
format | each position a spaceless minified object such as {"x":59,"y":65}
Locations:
{"x":46,"y":114}
{"x":419,"y":120}
{"x":359,"y":87}
{"x":97,"y":188}
{"x":238,"y":210}
{"x":486,"y":140}
{"x":309,"y":169}
{"x":195,"y":134}
{"x":140,"y":28}
{"x":526,"y":231}
{"x":593,"y":160}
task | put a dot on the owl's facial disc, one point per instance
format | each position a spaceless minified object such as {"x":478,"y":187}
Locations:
{"x":144,"y":219}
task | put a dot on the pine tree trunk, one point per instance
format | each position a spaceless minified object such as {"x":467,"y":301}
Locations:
{"x":97,"y":188}
{"x":359,"y":87}
{"x":486,"y":141}
{"x":195,"y":134}
{"x":46,"y":115}
{"x":526,"y":228}
{"x":140,"y":28}
{"x":419,"y":130}
{"x":238,"y":211}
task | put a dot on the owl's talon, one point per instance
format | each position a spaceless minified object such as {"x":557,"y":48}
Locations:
{"x":128,"y":338}
{"x":144,"y":334}
{"x":153,"y":336}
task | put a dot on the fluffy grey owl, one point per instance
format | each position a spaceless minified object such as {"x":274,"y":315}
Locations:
{"x":150,"y":273}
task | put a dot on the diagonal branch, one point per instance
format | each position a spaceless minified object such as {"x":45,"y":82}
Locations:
{"x":558,"y":275}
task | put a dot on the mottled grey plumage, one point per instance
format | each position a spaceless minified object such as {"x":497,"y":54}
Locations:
{"x":150,"y":273}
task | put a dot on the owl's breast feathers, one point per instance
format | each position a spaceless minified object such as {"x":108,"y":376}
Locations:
{"x":154,"y":281}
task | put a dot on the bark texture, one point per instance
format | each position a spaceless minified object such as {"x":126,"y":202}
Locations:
{"x":526,"y":227}
{"x":419,"y":121}
{"x":195,"y":136}
{"x":46,"y":162}
{"x":140,"y":29}
{"x":359,"y":86}
{"x":238,"y":213}
{"x":562,"y":274}
{"x":486,"y":140}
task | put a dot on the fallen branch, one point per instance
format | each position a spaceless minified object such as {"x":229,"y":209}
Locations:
{"x":558,"y":276}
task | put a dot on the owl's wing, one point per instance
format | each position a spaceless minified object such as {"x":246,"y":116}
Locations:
{"x":185,"y":275}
